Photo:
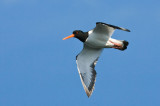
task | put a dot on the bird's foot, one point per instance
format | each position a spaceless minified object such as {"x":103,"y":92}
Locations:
{"x":120,"y":46}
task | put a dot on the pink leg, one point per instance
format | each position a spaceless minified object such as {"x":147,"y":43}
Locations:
{"x":116,"y":45}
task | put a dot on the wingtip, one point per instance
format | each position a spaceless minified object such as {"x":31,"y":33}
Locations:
{"x":89,"y":93}
{"x":124,"y":29}
{"x":127,"y":30}
{"x":88,"y":96}
{"x":116,"y":27}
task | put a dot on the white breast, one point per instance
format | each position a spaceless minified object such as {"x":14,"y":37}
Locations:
{"x":97,"y":40}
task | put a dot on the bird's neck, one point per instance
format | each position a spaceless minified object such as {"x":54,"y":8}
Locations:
{"x":82,"y":37}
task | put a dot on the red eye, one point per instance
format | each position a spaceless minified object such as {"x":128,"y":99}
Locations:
{"x":76,"y":32}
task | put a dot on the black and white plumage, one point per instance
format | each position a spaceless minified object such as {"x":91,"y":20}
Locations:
{"x":86,"y":62}
{"x":95,"y":41}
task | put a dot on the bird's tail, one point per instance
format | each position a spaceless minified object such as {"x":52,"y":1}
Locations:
{"x":118,"y":44}
{"x":125,"y":44}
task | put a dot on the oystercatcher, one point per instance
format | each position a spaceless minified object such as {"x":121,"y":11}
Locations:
{"x":95,"y":41}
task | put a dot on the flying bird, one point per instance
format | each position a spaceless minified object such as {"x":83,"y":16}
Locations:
{"x":94,"y":42}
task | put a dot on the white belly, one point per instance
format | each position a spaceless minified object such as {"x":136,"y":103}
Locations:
{"x":98,"y":41}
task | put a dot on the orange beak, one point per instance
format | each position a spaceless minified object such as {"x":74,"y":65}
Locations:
{"x":69,"y":37}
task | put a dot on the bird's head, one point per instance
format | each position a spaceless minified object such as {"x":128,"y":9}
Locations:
{"x":82,"y":36}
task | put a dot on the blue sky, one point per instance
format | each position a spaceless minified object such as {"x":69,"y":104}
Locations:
{"x":38,"y":68}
